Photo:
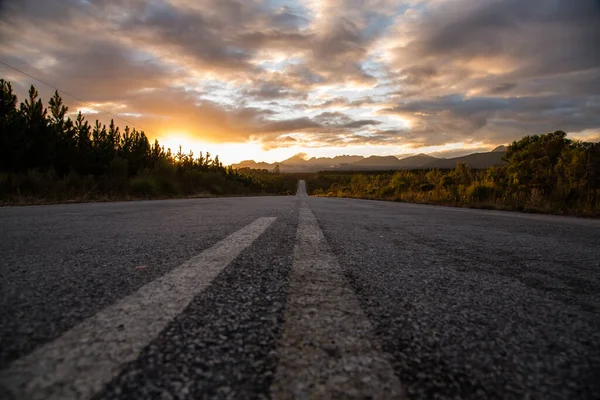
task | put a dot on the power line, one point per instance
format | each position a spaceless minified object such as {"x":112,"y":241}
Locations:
{"x":81,"y":100}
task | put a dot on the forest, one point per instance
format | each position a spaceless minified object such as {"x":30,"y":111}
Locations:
{"x":47,"y":157}
{"x":545,"y":173}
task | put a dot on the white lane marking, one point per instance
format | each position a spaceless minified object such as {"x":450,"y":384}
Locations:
{"x":80,"y":362}
{"x":301,"y":189}
{"x":328,"y":349}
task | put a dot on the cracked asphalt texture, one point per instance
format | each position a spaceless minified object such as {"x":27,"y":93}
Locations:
{"x":468,"y":303}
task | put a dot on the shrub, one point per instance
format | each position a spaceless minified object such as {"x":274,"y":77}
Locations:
{"x":168,"y":187}
{"x":480,"y":192}
{"x":386,"y":192}
{"x":143,"y":186}
{"x":426,"y":187}
{"x":118,"y":172}
{"x":73,"y":182}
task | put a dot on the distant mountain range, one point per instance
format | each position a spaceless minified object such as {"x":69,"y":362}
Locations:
{"x":298,"y":163}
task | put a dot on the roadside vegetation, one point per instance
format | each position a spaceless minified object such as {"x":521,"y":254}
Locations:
{"x":543,"y":173}
{"x":45,"y":157}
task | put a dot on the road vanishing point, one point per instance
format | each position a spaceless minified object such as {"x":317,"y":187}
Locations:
{"x":296,"y":297}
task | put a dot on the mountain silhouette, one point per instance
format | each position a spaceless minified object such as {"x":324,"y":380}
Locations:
{"x":500,"y":149}
{"x":300,"y":163}
{"x":475,"y":160}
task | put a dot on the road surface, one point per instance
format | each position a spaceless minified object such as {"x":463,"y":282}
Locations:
{"x":296,"y":297}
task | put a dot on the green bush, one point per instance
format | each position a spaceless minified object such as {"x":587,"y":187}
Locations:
{"x":480,"y":192}
{"x":143,"y":186}
{"x":168,"y":188}
{"x":386,"y":192}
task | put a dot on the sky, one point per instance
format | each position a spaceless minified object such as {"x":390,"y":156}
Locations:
{"x":267,"y":79}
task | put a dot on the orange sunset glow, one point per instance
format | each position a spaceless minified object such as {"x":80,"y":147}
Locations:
{"x":268,"y":79}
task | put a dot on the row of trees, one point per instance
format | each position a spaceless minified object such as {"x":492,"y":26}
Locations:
{"x":544,"y":173}
{"x":44,"y":154}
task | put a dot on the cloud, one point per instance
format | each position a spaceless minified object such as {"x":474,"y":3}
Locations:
{"x":456,"y":117}
{"x":271,"y":90}
{"x":500,"y":40}
{"x":497,"y":70}
{"x":319,"y":73}
{"x":289,"y":125}
{"x":341,"y":102}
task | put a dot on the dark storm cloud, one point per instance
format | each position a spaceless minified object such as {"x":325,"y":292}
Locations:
{"x":455,"y":118}
{"x":538,"y":37}
{"x":552,"y":36}
{"x":518,"y":68}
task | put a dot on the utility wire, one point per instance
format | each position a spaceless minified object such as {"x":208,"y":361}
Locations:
{"x":81,"y":100}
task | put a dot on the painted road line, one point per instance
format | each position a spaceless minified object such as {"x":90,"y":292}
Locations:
{"x":328,"y":349}
{"x":81,"y":361}
{"x":301,"y":189}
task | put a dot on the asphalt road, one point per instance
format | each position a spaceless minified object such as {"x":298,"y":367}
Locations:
{"x":296,"y":297}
